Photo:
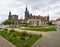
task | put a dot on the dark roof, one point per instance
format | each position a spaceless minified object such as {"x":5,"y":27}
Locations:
{"x":38,"y":17}
{"x":58,"y":19}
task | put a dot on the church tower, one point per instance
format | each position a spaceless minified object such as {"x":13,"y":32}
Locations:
{"x":26,"y":14}
{"x":48,"y":17}
{"x":9,"y":15}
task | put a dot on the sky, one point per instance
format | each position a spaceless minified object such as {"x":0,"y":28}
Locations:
{"x":36,"y":7}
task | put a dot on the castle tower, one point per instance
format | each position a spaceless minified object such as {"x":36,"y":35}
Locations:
{"x":9,"y":15}
{"x":26,"y":14}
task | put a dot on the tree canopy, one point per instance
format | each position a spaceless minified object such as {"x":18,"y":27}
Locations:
{"x":50,"y":23}
{"x":8,"y":22}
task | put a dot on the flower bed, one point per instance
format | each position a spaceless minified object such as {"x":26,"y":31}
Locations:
{"x":16,"y":38}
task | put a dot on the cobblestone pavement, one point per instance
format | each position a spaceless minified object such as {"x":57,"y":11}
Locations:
{"x":50,"y":39}
{"x":5,"y":43}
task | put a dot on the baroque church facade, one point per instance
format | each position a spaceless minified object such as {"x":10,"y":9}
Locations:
{"x":34,"y":20}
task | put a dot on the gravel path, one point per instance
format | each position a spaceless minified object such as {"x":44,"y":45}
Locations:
{"x":5,"y":43}
{"x":51,"y":39}
{"x":29,"y":31}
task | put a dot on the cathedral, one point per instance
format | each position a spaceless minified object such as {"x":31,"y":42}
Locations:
{"x":34,"y":20}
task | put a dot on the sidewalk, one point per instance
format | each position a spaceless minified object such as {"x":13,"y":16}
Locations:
{"x":5,"y":43}
{"x":49,"y":40}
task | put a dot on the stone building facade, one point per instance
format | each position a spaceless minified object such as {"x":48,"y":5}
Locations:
{"x":36,"y":20}
{"x":13,"y":18}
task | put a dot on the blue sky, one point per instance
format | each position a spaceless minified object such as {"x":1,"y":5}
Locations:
{"x":36,"y":7}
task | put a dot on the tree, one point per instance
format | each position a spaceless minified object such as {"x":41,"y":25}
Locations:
{"x":8,"y":22}
{"x":50,"y":23}
{"x":23,"y":23}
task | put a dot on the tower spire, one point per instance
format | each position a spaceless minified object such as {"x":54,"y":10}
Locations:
{"x":48,"y":17}
{"x":9,"y":15}
{"x":9,"y":12}
{"x":26,"y":13}
{"x":26,"y":8}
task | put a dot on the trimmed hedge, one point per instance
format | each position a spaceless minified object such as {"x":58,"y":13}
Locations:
{"x":45,"y":29}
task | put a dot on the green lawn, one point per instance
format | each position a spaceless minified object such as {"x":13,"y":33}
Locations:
{"x":44,"y":29}
{"x":17,"y":41}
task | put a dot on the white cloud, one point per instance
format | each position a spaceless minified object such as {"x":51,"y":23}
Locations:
{"x":37,"y":7}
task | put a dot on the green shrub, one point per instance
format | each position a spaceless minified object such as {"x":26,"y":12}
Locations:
{"x":5,"y":30}
{"x":12,"y":33}
{"x":12,"y":30}
{"x":24,"y":33}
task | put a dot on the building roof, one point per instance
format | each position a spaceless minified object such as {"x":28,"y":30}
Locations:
{"x":58,"y":19}
{"x":21,"y":19}
{"x":53,"y":21}
{"x":38,"y":17}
